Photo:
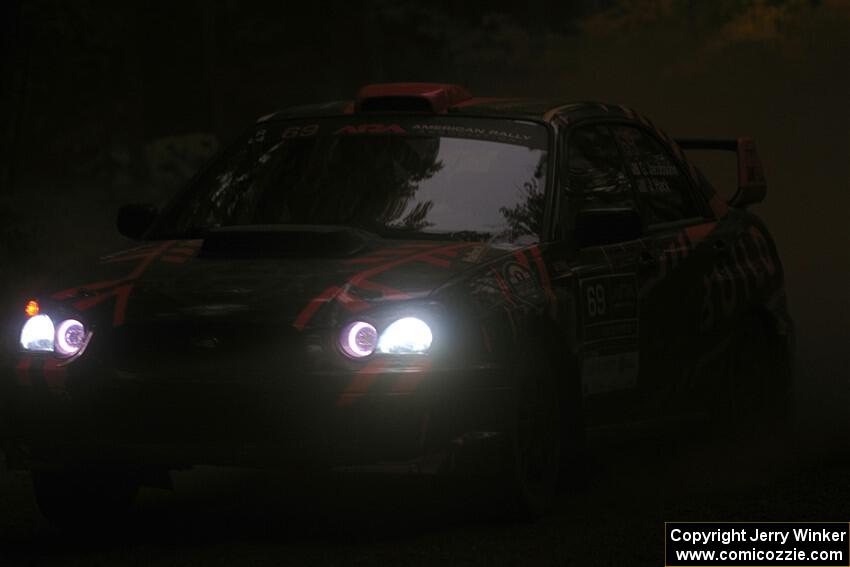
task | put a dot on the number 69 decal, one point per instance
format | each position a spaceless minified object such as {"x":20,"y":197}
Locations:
{"x":609,"y":310}
{"x":595,"y":300}
{"x":300,"y":131}
{"x":609,"y":298}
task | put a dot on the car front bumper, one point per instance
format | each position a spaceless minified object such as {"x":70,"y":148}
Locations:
{"x":413,"y":418}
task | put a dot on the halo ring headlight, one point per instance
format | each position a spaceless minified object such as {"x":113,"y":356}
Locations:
{"x":358,"y":339}
{"x":70,"y":337}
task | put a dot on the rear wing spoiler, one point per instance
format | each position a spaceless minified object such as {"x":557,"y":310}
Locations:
{"x":752,"y":187}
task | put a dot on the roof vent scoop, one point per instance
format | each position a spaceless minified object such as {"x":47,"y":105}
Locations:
{"x":410,"y":97}
{"x":283,"y":241}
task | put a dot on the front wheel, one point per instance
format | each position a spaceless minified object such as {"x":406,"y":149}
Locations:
{"x":532,"y":452}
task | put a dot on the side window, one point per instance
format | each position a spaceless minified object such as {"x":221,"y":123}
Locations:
{"x":596,"y":177}
{"x":662,"y":186}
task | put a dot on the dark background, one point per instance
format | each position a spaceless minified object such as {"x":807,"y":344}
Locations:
{"x":103,"y":103}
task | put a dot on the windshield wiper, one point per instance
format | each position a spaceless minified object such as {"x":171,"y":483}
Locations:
{"x":460,"y":235}
{"x":470,"y":235}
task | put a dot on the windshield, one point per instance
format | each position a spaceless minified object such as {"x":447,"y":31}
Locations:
{"x":475,"y":179}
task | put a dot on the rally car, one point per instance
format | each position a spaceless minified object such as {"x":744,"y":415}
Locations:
{"x":417,"y":280}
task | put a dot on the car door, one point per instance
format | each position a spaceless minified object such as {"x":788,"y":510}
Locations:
{"x":677,"y":241}
{"x":607,"y":276}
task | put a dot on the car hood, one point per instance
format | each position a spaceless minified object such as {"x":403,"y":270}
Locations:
{"x":306,"y":279}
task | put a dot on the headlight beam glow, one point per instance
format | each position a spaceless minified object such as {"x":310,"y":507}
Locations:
{"x":37,"y":334}
{"x":408,"y":335}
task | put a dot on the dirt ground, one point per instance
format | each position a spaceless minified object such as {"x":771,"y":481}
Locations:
{"x":635,"y":483}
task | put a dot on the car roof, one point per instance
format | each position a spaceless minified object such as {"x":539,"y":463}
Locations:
{"x":449,"y":99}
{"x":458,"y":102}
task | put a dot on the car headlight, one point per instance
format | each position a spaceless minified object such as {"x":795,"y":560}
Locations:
{"x":406,"y":336}
{"x":358,"y":339}
{"x":70,"y":337}
{"x":40,"y":334}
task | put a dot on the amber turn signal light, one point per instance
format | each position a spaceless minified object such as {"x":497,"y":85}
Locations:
{"x":32,"y":308}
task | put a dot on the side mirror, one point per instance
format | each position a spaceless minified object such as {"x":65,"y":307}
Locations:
{"x":596,"y":227}
{"x":752,"y":187}
{"x":135,"y":219}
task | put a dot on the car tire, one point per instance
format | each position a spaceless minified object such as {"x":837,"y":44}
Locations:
{"x":81,"y":499}
{"x":574,"y":453}
{"x":532,"y":450}
{"x":758,"y":383}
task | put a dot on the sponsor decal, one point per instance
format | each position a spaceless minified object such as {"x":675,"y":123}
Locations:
{"x":508,"y":131}
{"x":736,"y":278}
{"x":603,"y":373}
{"x":457,"y":130}
{"x":371,"y":129}
{"x":609,"y":324}
{"x":522,"y":284}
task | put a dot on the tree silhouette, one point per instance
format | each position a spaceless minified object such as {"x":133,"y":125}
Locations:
{"x":526,"y":217}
